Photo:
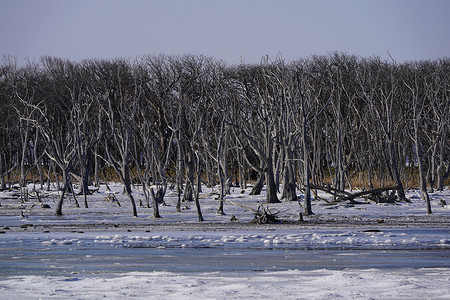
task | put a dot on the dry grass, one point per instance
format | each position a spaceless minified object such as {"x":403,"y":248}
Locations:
{"x":359,"y":180}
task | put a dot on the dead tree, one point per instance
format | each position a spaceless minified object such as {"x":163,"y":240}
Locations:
{"x":258,"y":125}
{"x":380,"y":96}
{"x":122,"y":92}
{"x":373,"y":194}
{"x":417,"y":112}
{"x":308,"y":110}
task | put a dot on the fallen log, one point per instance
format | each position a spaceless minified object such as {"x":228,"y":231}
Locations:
{"x":344,"y":195}
{"x":264,"y":216}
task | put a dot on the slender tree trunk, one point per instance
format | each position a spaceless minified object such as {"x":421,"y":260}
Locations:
{"x":84,"y":188}
{"x":188,"y":191}
{"x":423,"y":183}
{"x":66,"y":181}
{"x":369,"y":170}
{"x":257,"y":188}
{"x":125,"y":170}
{"x":440,"y":167}
{"x":179,"y":173}
{"x":242,"y":176}
{"x":53,"y":167}
{"x":210,"y":173}
{"x":270,"y":183}
{"x":40,"y":173}
{"x":145,"y":190}
{"x":96,"y":154}
{"x":85,"y":173}
{"x":133,"y":204}
{"x":96,"y":168}
{"x":339,"y":172}
{"x":396,"y":173}
{"x":2,"y":177}
{"x":432,"y":167}
{"x":197,"y":195}
{"x":155,"y":204}
{"x":222,"y":192}
{"x":49,"y":176}
{"x":38,"y":162}
{"x":289,"y":186}
{"x":279,"y":158}
{"x":306,"y":175}
{"x":24,"y":155}
{"x":271,"y":188}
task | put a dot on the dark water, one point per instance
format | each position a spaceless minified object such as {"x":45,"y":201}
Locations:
{"x":104,"y":259}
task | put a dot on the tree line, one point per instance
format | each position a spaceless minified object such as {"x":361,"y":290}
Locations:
{"x":176,"y":121}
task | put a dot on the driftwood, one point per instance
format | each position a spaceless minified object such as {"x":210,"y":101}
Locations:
{"x":318,"y":197}
{"x":43,"y":205}
{"x":111,"y":198}
{"x":264,"y":216}
{"x":374,"y":194}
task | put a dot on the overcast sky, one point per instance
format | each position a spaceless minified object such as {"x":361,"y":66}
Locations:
{"x":232,"y":30}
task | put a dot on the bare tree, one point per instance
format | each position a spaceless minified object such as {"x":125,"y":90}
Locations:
{"x":55,"y":127}
{"x":258,"y":125}
{"x":122,"y":92}
{"x":381,"y":98}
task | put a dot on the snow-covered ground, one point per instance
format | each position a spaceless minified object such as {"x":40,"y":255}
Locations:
{"x":358,"y":251}
{"x":316,"y":284}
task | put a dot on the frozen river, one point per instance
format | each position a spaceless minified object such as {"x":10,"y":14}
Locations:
{"x":65,"y":254}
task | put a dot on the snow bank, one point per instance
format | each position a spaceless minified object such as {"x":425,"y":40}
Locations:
{"x":317,"y":284}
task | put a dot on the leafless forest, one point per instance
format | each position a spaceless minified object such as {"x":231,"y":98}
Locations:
{"x":334,"y":122}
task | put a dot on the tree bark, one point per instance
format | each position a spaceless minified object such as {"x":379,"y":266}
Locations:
{"x":155,"y":203}
{"x":2,"y":177}
{"x":423,"y":183}
{"x":66,"y":181}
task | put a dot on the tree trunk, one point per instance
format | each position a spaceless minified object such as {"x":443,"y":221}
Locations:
{"x":440,"y":167}
{"x":188,"y":191}
{"x":289,"y":186}
{"x":339,"y":171}
{"x":369,"y":170}
{"x":242,"y":177}
{"x":423,"y":183}
{"x":53,"y":167}
{"x":432,"y":167}
{"x":84,"y":170}
{"x":197,"y":197}
{"x":2,"y":177}
{"x":66,"y":181}
{"x":222,"y":192}
{"x":133,"y":204}
{"x":38,"y":162}
{"x":270,"y":183}
{"x":179,"y":173}
{"x":306,"y":175}
{"x":155,"y":203}
{"x":125,"y":171}
{"x":210,"y":173}
{"x":257,"y":188}
{"x":24,"y":154}
{"x":396,"y":173}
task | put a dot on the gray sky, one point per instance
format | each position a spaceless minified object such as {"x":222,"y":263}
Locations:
{"x":232,"y":30}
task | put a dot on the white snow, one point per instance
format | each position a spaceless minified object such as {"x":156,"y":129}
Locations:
{"x":294,"y":284}
{"x":106,"y":233}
